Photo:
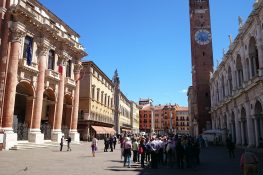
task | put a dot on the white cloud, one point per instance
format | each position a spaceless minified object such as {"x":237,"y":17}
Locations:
{"x":183,"y":91}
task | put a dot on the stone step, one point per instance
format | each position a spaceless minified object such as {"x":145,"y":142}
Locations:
{"x":22,"y":145}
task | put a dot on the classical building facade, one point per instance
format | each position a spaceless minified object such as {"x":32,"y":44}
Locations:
{"x":96,"y":103}
{"x":202,"y":61}
{"x":104,"y":110}
{"x":40,"y":68}
{"x":237,"y":84}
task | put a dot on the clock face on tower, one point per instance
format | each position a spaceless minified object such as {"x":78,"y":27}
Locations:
{"x":202,"y":37}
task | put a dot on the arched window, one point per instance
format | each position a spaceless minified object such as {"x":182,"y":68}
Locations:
{"x":239,"y":72}
{"x":230,"y":84}
{"x":253,"y":55}
{"x":51,"y":59}
{"x":68,"y":69}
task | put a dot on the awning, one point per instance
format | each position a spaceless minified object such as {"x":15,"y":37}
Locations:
{"x":99,"y":129}
{"x":109,"y":130}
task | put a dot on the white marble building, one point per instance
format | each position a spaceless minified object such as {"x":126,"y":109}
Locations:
{"x":237,"y":84}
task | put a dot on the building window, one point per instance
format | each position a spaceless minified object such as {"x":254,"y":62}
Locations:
{"x":28,"y":47}
{"x":51,"y":59}
{"x":101,"y":97}
{"x":68,"y":70}
{"x":98,"y":94}
{"x":93,"y":92}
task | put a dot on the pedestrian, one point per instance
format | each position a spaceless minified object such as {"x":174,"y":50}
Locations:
{"x":94,"y":146}
{"x":61,"y":143}
{"x":135,"y":145}
{"x":111,"y":143}
{"x":106,"y":144}
{"x":114,"y":141}
{"x":127,"y":151}
{"x":68,"y":143}
{"x":248,"y":162}
{"x":142,"y":150}
{"x":231,"y":148}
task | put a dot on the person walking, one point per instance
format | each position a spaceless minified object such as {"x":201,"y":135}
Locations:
{"x":135,"y":150}
{"x":248,"y":162}
{"x":114,"y":141}
{"x":127,"y":151}
{"x":68,"y":143}
{"x":94,"y":146}
{"x":61,"y":143}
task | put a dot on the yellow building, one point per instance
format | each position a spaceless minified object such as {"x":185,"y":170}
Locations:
{"x":96,"y":102}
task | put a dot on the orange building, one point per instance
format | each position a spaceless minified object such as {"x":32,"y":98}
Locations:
{"x":164,"y":119}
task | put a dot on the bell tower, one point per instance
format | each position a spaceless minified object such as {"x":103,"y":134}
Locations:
{"x":202,"y":61}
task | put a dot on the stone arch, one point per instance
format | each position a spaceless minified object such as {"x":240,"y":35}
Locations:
{"x":23,"y":110}
{"x":48,"y":112}
{"x":239,"y":69}
{"x":244,"y":132}
{"x":253,"y":56}
{"x":233,"y":126}
{"x":67,"y":114}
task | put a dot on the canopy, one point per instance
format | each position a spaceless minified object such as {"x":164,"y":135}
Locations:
{"x":109,"y":130}
{"x":98,"y":129}
{"x":103,"y":130}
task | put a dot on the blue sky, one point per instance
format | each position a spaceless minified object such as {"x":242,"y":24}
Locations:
{"x":148,"y":41}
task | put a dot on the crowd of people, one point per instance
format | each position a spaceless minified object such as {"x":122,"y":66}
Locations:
{"x":161,"y":151}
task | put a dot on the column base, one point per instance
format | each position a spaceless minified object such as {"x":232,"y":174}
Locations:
{"x":10,"y":139}
{"x":75,"y":137}
{"x":36,"y":136}
{"x":56,"y":135}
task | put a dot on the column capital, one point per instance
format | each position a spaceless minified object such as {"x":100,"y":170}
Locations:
{"x":18,"y":31}
{"x":77,"y":67}
{"x":63,"y":57}
{"x":43,"y":46}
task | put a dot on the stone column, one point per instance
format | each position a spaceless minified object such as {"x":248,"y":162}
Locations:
{"x":17,"y":29}
{"x":256,"y":131}
{"x":74,"y":122}
{"x":35,"y":134}
{"x":250,"y":130}
{"x":29,"y":110}
{"x":56,"y":132}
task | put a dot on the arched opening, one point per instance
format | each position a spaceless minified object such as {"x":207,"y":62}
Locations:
{"x":233,"y":127}
{"x":244,"y":136}
{"x":67,"y":115}
{"x":23,"y":110}
{"x":230,"y":84}
{"x":253,"y":56}
{"x":223,"y":86}
{"x":259,"y":120}
{"x":239,"y":69}
{"x":48,"y":113}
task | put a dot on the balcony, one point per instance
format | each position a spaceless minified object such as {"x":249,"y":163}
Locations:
{"x":51,"y":74}
{"x":31,"y":68}
{"x":70,"y":82}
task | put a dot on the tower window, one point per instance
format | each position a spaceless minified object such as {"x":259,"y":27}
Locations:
{"x":203,"y":54}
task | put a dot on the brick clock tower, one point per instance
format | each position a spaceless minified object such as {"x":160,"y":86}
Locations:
{"x":202,"y":61}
